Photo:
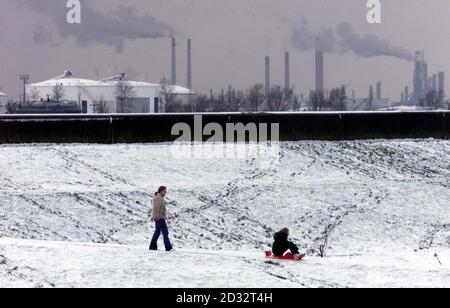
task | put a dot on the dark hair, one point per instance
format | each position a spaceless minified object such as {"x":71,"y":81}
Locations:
{"x":285,"y":231}
{"x":161,"y":189}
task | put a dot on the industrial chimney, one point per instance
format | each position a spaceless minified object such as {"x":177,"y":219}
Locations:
{"x":287,"y":71}
{"x":319,"y":67}
{"x":371,"y":98}
{"x":174,"y":62}
{"x":441,"y":82}
{"x":434,"y":83}
{"x":379,"y":90}
{"x":189,"y":65}
{"x":267,"y":76}
{"x":420,"y":77}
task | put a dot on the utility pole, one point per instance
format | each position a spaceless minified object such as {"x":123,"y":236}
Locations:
{"x":189,"y":72}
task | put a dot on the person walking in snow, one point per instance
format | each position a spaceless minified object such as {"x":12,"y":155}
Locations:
{"x":282,"y":245}
{"x":159,"y":216}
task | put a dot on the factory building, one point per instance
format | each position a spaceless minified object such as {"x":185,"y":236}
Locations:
{"x":102,"y":96}
{"x":367,"y":104}
{"x":371,"y":103}
{"x":422,"y":83}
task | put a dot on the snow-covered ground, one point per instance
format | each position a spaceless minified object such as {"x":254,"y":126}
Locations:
{"x":25,"y":263}
{"x":388,"y":203}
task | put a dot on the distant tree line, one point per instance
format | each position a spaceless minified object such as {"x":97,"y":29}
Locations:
{"x":256,"y":99}
{"x":335,"y":100}
{"x":435,"y":99}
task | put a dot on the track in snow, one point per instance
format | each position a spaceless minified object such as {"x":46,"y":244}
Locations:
{"x":64,"y":264}
{"x":387,"y":196}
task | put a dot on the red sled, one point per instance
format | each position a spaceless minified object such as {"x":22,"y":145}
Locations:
{"x":288,"y":256}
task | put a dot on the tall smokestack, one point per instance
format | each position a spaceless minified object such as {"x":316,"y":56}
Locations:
{"x":379,"y":90}
{"x":319,"y":67}
{"x":174,"y":61}
{"x":287,"y":71}
{"x":441,"y":82}
{"x":267,"y":76}
{"x":189,"y":65}
{"x":230,"y":93}
{"x":420,"y":77}
{"x":434,"y":83}
{"x":406,"y":94}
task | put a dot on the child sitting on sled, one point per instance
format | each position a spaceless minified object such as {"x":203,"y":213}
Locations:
{"x":283,"y":248}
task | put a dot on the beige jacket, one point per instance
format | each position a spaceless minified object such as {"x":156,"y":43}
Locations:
{"x":159,"y":208}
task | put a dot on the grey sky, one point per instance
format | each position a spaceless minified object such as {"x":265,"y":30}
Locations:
{"x":230,"y":40}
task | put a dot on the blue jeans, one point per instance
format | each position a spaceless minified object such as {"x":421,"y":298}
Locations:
{"x":161,"y":227}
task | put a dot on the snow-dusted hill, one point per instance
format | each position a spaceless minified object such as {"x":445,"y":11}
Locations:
{"x":25,"y":263}
{"x":385,"y":198}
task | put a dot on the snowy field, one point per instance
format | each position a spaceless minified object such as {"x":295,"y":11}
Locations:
{"x":77,"y":215}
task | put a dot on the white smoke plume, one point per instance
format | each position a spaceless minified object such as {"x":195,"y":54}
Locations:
{"x":112,"y":29}
{"x":344,"y":39}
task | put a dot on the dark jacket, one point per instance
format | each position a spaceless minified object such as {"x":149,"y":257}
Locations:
{"x":281,"y":245}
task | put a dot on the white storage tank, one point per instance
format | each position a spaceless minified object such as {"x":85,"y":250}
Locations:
{"x":102,"y":96}
{"x":86,"y":93}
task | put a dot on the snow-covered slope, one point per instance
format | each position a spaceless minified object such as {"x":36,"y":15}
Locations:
{"x":25,"y":263}
{"x":388,"y":197}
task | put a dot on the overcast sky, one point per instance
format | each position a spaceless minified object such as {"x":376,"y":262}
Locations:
{"x":230,"y":40}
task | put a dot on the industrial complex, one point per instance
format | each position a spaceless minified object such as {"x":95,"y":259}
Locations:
{"x":424,"y":82}
{"x":92,"y":95}
{"x":423,"y":85}
{"x":71,"y":94}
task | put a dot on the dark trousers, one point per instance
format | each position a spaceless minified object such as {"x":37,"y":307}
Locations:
{"x":161,"y":227}
{"x":279,"y":249}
